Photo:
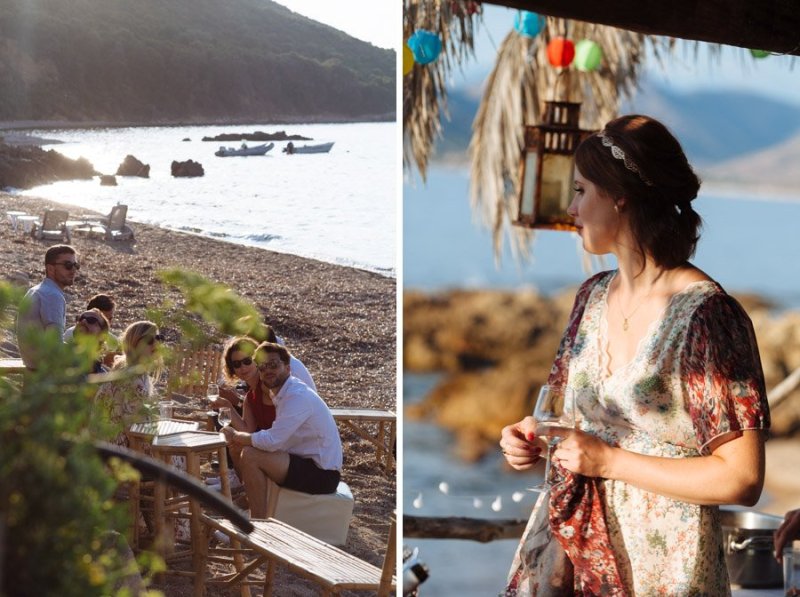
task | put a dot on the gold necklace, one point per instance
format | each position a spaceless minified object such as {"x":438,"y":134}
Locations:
{"x":625,"y":318}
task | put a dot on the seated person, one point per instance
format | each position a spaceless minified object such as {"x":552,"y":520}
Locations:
{"x":296,"y":365}
{"x":130,"y":399}
{"x":302,"y":450}
{"x":92,"y":323}
{"x":106,"y":305}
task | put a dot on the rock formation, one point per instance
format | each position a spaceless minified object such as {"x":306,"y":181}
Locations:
{"x":188,"y":168}
{"x":23,"y":167}
{"x":108,"y":180}
{"x":130,"y":166}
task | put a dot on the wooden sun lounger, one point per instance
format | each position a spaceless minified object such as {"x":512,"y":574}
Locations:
{"x":275,"y":542}
{"x":359,"y":420}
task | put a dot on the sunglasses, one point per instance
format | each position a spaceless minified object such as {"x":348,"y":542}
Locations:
{"x":69,"y":265}
{"x":90,"y":319}
{"x":245,"y":361}
{"x":271,"y":365}
{"x":153,"y":339}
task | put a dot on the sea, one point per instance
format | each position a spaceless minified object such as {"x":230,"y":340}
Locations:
{"x":339,"y":207}
{"x":749,"y":244}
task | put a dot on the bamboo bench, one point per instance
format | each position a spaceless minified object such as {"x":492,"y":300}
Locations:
{"x":382,"y":436}
{"x":275,"y":542}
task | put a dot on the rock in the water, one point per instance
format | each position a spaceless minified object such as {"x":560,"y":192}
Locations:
{"x":186,"y":139}
{"x":130,"y":166}
{"x":108,"y":180}
{"x":26,"y":167}
{"x":187,"y":169}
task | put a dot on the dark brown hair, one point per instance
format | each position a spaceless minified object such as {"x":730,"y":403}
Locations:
{"x":53,"y":252}
{"x":656,"y":181}
{"x":240,"y":343}
{"x":102,"y":302}
{"x":276,"y":348}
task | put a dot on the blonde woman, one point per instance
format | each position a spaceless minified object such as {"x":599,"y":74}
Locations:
{"x":127,"y":400}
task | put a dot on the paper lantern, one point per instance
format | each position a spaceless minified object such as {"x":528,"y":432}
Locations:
{"x":560,"y":52}
{"x":408,"y":60}
{"x":758,"y":54}
{"x":425,"y":46}
{"x":588,"y":55}
{"x":528,"y":24}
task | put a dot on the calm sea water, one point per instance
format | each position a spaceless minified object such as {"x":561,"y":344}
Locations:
{"x":338,"y":207}
{"x":748,"y":244}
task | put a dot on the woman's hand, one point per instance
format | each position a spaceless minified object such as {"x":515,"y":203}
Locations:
{"x":582,"y":453}
{"x":221,"y":402}
{"x":517,"y":443}
{"x":789,"y":530}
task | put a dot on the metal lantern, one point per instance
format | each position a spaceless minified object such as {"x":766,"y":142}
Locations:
{"x":547,"y":168}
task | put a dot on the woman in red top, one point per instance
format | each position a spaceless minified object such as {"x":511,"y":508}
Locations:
{"x":258,"y":411}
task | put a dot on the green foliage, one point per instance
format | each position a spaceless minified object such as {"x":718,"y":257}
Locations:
{"x":184,"y":60}
{"x":56,"y":495}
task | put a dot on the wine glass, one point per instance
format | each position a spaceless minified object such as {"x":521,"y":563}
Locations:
{"x":224,"y":416}
{"x":554,"y":412}
{"x":212,"y":394}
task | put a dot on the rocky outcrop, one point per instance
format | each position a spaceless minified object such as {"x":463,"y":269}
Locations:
{"x":23,"y":167}
{"x":108,"y":180}
{"x":257,"y":136}
{"x":131,"y":166}
{"x":496,"y":348}
{"x":188,"y":168}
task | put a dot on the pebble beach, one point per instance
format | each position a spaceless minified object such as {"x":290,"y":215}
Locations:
{"x":341,"y":322}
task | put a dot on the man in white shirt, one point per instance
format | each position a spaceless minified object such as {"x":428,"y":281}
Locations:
{"x":302,"y":450}
{"x":44,"y":305}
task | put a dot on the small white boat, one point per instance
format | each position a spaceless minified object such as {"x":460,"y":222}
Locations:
{"x":224,"y":152}
{"x":321,"y":148}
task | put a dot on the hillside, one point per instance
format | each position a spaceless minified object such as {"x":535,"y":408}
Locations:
{"x":714,"y":127}
{"x":150,"y":61}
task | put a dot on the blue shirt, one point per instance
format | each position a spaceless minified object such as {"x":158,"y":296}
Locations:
{"x":43,"y":307}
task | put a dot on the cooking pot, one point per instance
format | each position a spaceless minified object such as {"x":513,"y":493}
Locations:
{"x":748,"y":541}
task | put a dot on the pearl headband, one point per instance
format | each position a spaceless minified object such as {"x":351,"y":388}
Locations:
{"x":619,"y":154}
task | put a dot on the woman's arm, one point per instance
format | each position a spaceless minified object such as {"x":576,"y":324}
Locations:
{"x":249,"y":422}
{"x":732,"y":474}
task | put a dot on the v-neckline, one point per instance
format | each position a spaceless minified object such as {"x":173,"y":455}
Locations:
{"x":604,"y":357}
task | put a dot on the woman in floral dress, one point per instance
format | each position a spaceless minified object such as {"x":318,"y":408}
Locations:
{"x":670,"y":398}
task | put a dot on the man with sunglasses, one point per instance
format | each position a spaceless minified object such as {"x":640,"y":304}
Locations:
{"x":302,"y":450}
{"x":44,"y":305}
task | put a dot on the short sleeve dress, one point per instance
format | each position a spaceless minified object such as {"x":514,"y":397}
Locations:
{"x":696,"y":376}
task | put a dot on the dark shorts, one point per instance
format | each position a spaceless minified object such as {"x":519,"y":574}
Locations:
{"x":304,"y":475}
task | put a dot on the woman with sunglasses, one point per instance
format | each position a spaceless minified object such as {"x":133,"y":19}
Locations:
{"x":92,"y":324}
{"x":128,"y":400}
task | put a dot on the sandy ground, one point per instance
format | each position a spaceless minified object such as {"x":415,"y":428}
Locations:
{"x":339,"y":321}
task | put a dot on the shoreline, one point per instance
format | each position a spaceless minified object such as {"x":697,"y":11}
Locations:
{"x":340,"y":321}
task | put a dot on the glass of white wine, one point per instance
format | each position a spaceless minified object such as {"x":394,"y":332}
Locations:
{"x":212,"y":394}
{"x":554,"y":412}
{"x":224,"y":416}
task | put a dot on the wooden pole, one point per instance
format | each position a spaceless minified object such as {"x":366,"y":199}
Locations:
{"x":473,"y":529}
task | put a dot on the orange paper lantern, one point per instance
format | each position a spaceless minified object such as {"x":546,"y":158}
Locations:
{"x":560,"y":52}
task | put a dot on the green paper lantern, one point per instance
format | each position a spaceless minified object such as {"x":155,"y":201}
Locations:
{"x":758,"y":54}
{"x":588,"y":55}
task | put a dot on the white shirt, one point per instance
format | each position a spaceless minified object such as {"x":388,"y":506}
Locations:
{"x":303,"y":426}
{"x":299,"y":371}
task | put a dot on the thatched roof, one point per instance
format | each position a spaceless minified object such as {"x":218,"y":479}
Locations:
{"x":522,"y":78}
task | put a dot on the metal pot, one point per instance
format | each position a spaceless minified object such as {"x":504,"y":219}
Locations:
{"x":748,"y":541}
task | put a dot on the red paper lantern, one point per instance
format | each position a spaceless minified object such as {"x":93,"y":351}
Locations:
{"x":560,"y":52}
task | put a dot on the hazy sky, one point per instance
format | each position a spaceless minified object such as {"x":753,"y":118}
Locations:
{"x":773,"y":76}
{"x":375,"y":21}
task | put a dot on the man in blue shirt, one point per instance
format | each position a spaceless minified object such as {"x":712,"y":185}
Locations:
{"x":44,"y":306}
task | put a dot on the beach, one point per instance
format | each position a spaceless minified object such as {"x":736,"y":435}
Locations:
{"x":339,"y":321}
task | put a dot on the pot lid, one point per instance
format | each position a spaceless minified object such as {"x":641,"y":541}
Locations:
{"x":749,"y":519}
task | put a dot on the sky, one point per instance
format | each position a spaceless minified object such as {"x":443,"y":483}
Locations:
{"x":772,"y":76}
{"x":375,"y":21}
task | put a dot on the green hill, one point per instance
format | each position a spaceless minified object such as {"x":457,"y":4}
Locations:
{"x":158,"y":61}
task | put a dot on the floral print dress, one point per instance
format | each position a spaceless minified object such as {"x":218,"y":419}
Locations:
{"x":696,"y":376}
{"x":126,"y":402}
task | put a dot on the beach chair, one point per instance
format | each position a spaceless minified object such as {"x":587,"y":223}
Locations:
{"x":111,"y":227}
{"x":53,"y":226}
{"x":274,"y":542}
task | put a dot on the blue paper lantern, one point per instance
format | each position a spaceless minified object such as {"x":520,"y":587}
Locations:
{"x":425,"y":46}
{"x":528,"y":23}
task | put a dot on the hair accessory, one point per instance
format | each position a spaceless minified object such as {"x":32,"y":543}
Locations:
{"x":619,"y":154}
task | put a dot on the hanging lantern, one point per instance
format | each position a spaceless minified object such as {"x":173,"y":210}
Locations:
{"x":547,"y":167}
{"x":758,"y":54}
{"x":528,"y":24}
{"x":588,"y":55}
{"x":560,"y":52}
{"x":425,"y":46}
{"x":408,"y":60}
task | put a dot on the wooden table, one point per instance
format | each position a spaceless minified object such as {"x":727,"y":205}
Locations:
{"x":382,"y":436}
{"x":8,"y":366}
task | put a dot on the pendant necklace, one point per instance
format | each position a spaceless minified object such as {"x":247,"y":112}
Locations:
{"x":625,"y":318}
